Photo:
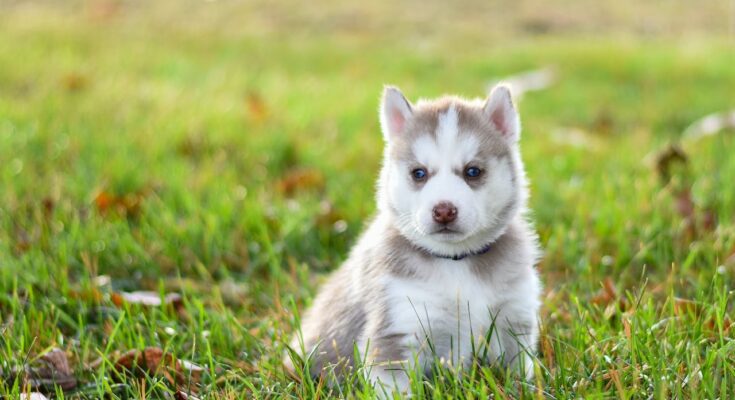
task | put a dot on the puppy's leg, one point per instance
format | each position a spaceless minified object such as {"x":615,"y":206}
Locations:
{"x":388,"y":379}
{"x":517,"y":336}
{"x":389,"y":363}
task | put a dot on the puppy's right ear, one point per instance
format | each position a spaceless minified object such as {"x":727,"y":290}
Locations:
{"x":395,"y":111}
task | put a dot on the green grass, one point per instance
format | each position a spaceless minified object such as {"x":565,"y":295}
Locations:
{"x":205,"y":129}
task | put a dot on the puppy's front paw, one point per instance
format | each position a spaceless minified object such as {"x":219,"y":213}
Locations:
{"x":388,"y":382}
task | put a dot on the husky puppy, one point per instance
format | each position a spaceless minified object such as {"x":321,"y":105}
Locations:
{"x":445,"y":271}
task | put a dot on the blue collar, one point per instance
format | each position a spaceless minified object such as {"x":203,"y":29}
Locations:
{"x":458,"y":257}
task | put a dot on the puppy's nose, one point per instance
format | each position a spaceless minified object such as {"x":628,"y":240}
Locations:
{"x":444,"y":212}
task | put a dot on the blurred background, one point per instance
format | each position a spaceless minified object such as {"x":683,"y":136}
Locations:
{"x":211,"y":105}
{"x":228,"y":149}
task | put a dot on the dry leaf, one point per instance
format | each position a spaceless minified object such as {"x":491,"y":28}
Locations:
{"x":103,"y":10}
{"x":74,"y":82}
{"x":50,"y":371}
{"x":256,"y":106}
{"x":684,"y":306}
{"x":626,"y":328}
{"x":300,"y":180}
{"x":48,"y":206}
{"x":57,"y":359}
{"x":604,"y":122}
{"x":709,"y":220}
{"x":154,"y":361}
{"x":727,"y":323}
{"x":22,"y":240}
{"x":88,"y":295}
{"x":149,"y":359}
{"x":609,"y":296}
{"x":667,"y":159}
{"x":685,"y":204}
{"x":128,"y":204}
{"x":547,"y":349}
{"x":55,"y":371}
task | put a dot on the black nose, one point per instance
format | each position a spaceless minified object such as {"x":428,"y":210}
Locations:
{"x":444,"y":212}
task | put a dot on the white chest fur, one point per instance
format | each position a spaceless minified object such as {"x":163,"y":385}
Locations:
{"x":447,"y":312}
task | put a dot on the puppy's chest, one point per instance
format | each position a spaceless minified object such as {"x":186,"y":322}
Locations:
{"x":450,"y":300}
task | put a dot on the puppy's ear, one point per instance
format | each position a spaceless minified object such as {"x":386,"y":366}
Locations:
{"x":501,"y":112}
{"x":395,"y":111}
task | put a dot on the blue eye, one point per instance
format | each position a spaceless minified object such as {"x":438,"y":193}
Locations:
{"x":472,"y":172}
{"x":418,"y":174}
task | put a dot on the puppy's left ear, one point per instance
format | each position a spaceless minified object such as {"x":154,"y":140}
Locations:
{"x":502,"y":114}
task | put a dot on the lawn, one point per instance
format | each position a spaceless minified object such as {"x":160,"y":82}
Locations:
{"x":231,"y":162}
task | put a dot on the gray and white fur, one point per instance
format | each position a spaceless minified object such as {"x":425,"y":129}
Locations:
{"x":447,"y":265}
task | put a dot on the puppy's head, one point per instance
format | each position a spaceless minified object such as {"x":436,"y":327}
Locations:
{"x":452,"y":177}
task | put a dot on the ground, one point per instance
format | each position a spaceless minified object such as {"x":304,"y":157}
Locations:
{"x":227,"y":152}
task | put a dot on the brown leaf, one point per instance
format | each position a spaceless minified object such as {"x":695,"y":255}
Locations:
{"x":667,"y":159}
{"x":128,"y":204}
{"x":148,"y":360}
{"x":684,"y":306}
{"x":22,"y":240}
{"x":74,"y":82}
{"x":50,"y":371}
{"x":56,"y":370}
{"x":626,"y":328}
{"x":712,"y":327}
{"x":299,"y":180}
{"x":195,"y":145}
{"x":685,"y":204}
{"x":48,"y":206}
{"x":547,"y":349}
{"x":86,"y":295}
{"x":57,"y":359}
{"x":608,"y":295}
{"x":154,"y":361}
{"x":604,"y":122}
{"x":709,"y":220}
{"x":103,"y":10}
{"x":257,"y":108}
{"x":117,"y":299}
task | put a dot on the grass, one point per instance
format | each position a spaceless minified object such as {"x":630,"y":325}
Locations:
{"x":237,"y":170}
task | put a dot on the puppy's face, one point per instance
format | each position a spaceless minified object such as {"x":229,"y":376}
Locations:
{"x":451,"y":177}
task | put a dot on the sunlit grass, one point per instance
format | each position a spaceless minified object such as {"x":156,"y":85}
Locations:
{"x":251,"y":164}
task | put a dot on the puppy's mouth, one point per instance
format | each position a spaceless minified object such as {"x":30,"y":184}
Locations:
{"x":445,"y":230}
